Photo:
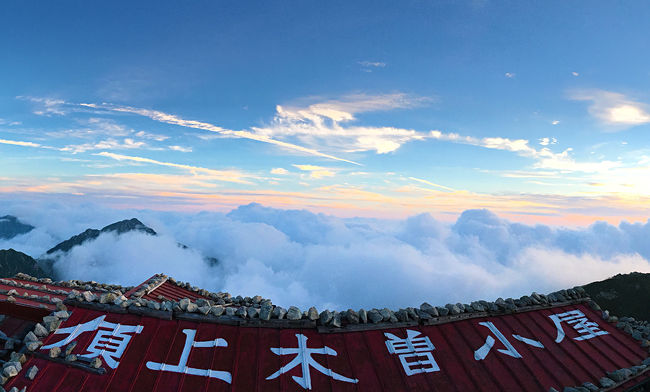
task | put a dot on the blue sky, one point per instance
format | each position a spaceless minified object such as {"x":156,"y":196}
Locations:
{"x":538,"y":111}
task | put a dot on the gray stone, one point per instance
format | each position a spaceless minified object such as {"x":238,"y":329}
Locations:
{"x":253,"y":312}
{"x":230,"y":311}
{"x":453,"y":309}
{"x":71,"y":357}
{"x":363,"y":316}
{"x":294,"y":313}
{"x":217,"y":310}
{"x":570,"y":389}
{"x":620,"y":374}
{"x":325,"y":317}
{"x":375,"y":317}
{"x":423,"y":315}
{"x":386,"y":314}
{"x":202,"y":302}
{"x":606,"y":315}
{"x":352,"y":316}
{"x":402,"y":315}
{"x":40,"y":330}
{"x":646,"y":361}
{"x":606,"y":382}
{"x":31,"y":372}
{"x":279,"y":312}
{"x":412,"y":313}
{"x":205,"y":309}
{"x":265,"y":312}
{"x":88,"y":296}
{"x":425,"y":307}
{"x":336,"y":320}
{"x":9,"y":345}
{"x":191,"y":307}
{"x":442,"y":311}
{"x":33,"y":346}
{"x":241,"y":312}
{"x":10,"y":371}
{"x":183,"y":303}
{"x":477,"y":307}
{"x":96,"y":363}
{"x":551,"y":389}
{"x":17,"y":357}
{"x":312,"y":314}
{"x":54,"y":352}
{"x":70,"y":347}
{"x":30,"y":337}
{"x":590,"y":387}
{"x":107,"y":298}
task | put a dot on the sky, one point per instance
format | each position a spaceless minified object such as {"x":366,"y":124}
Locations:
{"x":536,"y":111}
{"x":338,"y":154}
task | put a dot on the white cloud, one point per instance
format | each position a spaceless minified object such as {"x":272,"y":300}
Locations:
{"x":316,"y":172}
{"x":180,"y":148}
{"x":431,"y":183}
{"x":614,"y":109}
{"x":279,"y":170}
{"x":374,"y":64}
{"x":544,"y":157}
{"x":19,"y":143}
{"x":108,"y":144}
{"x":244,"y":134}
{"x":509,"y":75}
{"x":555,"y":122}
{"x":575,"y":73}
{"x":221,"y":175}
{"x":545,"y":141}
{"x":325,"y":123}
{"x":305,"y":259}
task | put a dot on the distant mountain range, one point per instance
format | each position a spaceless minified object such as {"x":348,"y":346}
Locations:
{"x":10,"y":227}
{"x":12,"y":262}
{"x":90,"y":234}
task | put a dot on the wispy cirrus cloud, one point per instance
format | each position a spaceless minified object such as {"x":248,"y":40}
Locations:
{"x":316,"y":172}
{"x":20,"y":143}
{"x":108,"y":144}
{"x":244,"y":134}
{"x":544,"y":157}
{"x":326,"y":123}
{"x":221,"y":175}
{"x":614,"y":109}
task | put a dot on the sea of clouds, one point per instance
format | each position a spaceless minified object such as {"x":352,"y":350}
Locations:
{"x":296,"y":257}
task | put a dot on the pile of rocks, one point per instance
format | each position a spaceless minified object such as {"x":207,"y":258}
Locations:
{"x":613,"y":379}
{"x":74,"y":284}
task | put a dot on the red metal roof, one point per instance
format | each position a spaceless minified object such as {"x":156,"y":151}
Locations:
{"x":166,"y":289}
{"x":516,"y":352}
{"x":172,"y":292}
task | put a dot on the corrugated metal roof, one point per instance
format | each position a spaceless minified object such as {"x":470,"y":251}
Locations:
{"x":162,"y":287}
{"x":514,"y":352}
{"x":170,"y":291}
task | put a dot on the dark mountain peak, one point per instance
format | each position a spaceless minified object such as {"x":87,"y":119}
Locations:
{"x":10,"y":226}
{"x":128,"y":225}
{"x":623,"y":294}
{"x":13,"y":262}
{"x":90,"y":234}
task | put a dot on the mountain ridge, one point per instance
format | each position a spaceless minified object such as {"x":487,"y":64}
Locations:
{"x":120,"y":227}
{"x":10,"y":226}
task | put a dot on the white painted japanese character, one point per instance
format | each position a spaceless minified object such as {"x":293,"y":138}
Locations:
{"x":182,"y":363}
{"x":304,"y":359}
{"x":109,"y":342}
{"x":413,"y":347}
{"x":510,"y":350}
{"x":586,"y":329}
